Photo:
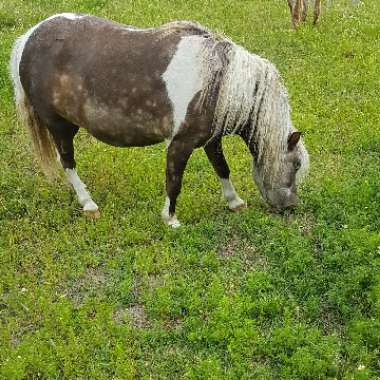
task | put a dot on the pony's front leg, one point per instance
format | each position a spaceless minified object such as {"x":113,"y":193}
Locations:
{"x":178,"y":154}
{"x":215,"y":155}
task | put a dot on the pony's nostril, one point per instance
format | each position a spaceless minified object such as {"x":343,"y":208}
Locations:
{"x":292,"y":205}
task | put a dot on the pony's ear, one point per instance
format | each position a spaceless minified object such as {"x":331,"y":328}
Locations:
{"x":293,"y":140}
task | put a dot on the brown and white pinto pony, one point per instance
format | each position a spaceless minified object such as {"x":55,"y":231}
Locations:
{"x":178,"y":83}
{"x":299,"y":8}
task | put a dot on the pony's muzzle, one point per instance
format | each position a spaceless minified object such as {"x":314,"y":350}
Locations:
{"x":282,"y":199}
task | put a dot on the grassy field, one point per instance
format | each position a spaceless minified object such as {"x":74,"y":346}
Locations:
{"x":227,"y":296}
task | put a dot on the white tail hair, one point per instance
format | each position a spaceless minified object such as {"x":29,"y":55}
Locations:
{"x":41,"y":139}
{"x":16,"y":54}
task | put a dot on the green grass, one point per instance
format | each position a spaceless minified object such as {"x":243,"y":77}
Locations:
{"x":247,"y":296}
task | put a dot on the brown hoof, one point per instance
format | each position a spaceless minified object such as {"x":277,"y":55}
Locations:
{"x":239,"y":208}
{"x":92,"y":214}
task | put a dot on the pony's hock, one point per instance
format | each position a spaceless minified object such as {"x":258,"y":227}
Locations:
{"x":178,"y":83}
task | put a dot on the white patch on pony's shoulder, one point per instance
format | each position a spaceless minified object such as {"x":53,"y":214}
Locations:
{"x":183,"y":77}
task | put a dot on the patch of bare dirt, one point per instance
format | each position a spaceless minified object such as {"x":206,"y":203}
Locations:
{"x":92,"y":280}
{"x":134,"y":315}
{"x":246,"y":252}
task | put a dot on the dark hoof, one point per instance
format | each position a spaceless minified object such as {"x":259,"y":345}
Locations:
{"x":239,"y":207}
{"x":92,"y":214}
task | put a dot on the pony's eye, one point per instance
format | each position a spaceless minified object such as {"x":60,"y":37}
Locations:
{"x":297,"y":165}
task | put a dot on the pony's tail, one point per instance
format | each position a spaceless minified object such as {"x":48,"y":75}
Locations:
{"x":42,"y":141}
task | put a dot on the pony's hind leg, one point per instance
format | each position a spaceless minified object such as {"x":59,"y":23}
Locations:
{"x":178,"y":153}
{"x":63,"y":134}
{"x":215,"y":155}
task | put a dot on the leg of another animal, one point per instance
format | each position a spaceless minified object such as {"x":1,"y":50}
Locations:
{"x":317,"y":11}
{"x":304,"y":10}
{"x":296,"y":13}
{"x":63,"y":134}
{"x":178,"y":153}
{"x":215,"y":155}
{"x":291,"y":4}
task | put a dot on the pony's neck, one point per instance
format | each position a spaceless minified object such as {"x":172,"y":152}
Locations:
{"x":247,"y":134}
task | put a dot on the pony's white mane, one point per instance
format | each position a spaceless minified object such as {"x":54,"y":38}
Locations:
{"x":251,"y":95}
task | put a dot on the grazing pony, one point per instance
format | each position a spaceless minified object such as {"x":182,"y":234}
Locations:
{"x":299,"y":8}
{"x":178,"y":83}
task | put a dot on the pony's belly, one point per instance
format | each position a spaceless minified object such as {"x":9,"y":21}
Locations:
{"x":135,"y":129}
{"x":126,"y":136}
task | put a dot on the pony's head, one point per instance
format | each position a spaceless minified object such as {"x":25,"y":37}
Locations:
{"x":278,"y":179}
{"x":280,"y":157}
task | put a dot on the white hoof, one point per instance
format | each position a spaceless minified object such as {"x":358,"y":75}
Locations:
{"x":174,"y":222}
{"x":92,"y":214}
{"x":171,"y":221}
{"x":90,"y":205}
{"x":91,"y":210}
{"x":236,"y":204}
